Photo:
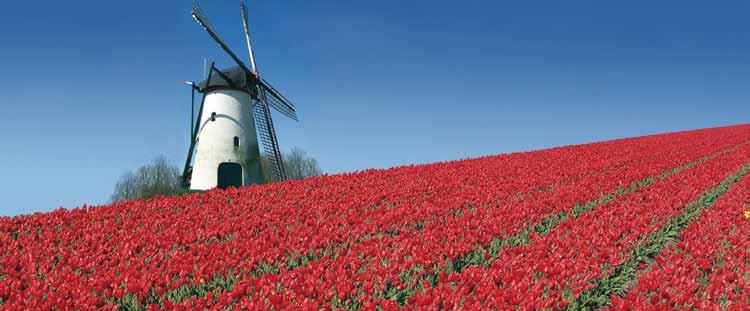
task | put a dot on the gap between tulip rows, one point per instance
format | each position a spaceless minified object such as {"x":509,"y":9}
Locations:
{"x":707,"y":268}
{"x":624,"y":275}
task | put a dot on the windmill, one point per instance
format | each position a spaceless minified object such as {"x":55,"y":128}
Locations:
{"x":234,"y":121}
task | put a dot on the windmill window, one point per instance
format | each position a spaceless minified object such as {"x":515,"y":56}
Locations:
{"x":213,"y":116}
{"x":236,"y":141}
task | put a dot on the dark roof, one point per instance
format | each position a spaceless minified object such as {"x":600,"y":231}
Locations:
{"x":235,"y":74}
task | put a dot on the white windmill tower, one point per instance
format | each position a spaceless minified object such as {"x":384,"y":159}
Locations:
{"x":234,"y":122}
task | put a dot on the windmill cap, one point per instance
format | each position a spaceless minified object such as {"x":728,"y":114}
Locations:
{"x":236,"y":76}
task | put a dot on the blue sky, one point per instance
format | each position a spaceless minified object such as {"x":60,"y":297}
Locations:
{"x":91,"y":89}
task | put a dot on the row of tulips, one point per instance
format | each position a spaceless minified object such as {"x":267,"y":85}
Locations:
{"x":389,"y":267}
{"x":262,"y":222}
{"x":165,"y":250}
{"x":553,"y":270}
{"x":159,"y":243}
{"x":354,"y":258}
{"x":708,"y":269}
{"x":308,"y":231}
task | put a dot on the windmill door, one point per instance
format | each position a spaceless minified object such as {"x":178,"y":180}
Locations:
{"x":230,"y":174}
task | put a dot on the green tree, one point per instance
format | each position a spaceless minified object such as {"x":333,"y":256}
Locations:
{"x":156,"y":178}
{"x":298,"y":165}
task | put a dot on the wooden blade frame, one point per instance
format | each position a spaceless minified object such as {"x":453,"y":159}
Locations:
{"x":197,"y":14}
{"x":279,"y":102}
{"x":267,"y":136}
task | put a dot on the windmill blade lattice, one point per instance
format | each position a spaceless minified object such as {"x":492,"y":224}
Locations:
{"x":278,"y":101}
{"x":267,"y":137}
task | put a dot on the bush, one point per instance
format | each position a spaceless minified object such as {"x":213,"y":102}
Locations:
{"x":297,"y":163}
{"x":157,"y":178}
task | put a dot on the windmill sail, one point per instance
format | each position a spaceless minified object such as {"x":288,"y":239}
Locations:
{"x":262,"y":111}
{"x":246,"y":28}
{"x":278,"y":101}
{"x":199,"y":17}
{"x":267,"y":138}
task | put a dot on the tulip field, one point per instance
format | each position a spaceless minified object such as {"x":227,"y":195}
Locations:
{"x":654,"y":222}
